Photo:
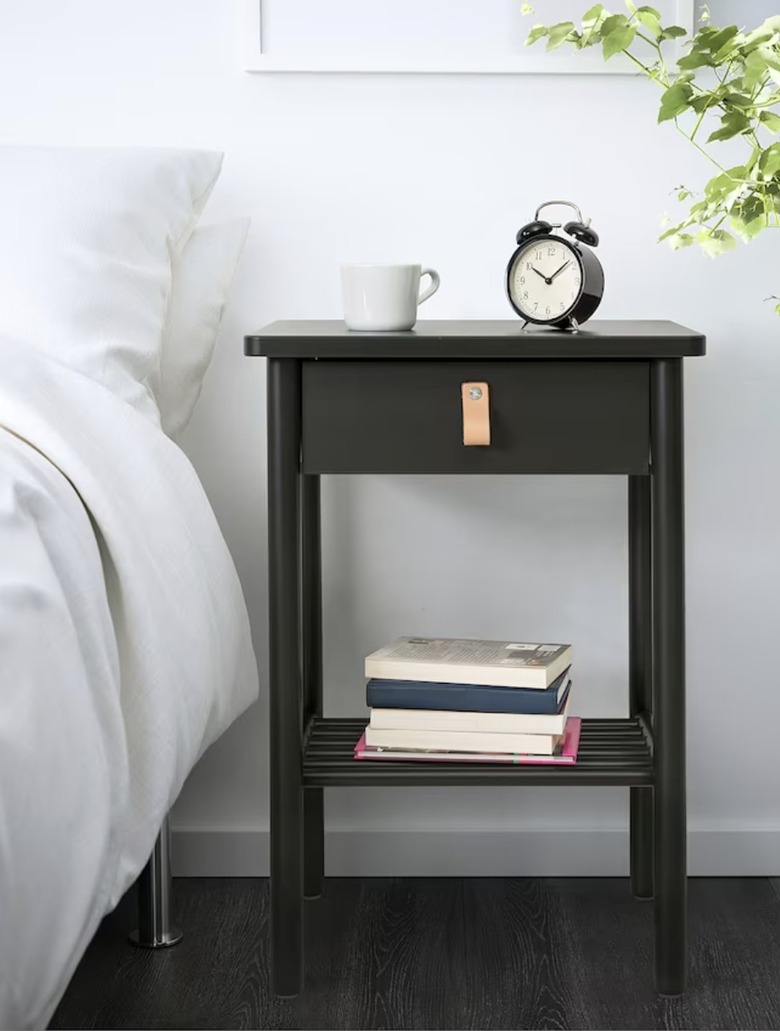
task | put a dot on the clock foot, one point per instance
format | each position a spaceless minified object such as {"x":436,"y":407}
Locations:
{"x":524,"y":326}
{"x":574,"y":325}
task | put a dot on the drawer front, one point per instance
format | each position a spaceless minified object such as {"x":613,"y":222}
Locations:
{"x":407,"y":417}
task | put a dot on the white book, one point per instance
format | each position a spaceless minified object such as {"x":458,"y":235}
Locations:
{"x":462,"y":741}
{"x":466,"y":661}
{"x":471,"y":722}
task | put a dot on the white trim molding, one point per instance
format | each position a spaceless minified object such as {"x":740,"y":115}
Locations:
{"x":258,"y":57}
{"x":712,"y":852}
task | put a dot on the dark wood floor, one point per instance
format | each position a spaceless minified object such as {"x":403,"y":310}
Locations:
{"x":440,"y":953}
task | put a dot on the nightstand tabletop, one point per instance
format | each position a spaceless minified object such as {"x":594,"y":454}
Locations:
{"x":476,"y":338}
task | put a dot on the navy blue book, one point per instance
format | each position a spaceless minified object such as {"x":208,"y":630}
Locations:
{"x":417,"y":694}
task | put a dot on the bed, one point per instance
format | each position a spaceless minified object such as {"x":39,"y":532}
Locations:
{"x":125,"y":647}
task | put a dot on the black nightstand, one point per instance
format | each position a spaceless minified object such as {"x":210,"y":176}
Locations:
{"x":606,"y":400}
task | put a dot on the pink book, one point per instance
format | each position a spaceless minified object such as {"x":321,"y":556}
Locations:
{"x":568,"y":753}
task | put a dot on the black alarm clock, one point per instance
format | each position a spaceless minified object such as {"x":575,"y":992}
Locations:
{"x":555,"y":279}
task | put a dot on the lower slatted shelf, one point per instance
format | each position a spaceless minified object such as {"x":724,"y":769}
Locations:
{"x":612,"y":752}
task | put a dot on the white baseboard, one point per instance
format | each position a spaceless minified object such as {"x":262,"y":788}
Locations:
{"x":736,"y":852}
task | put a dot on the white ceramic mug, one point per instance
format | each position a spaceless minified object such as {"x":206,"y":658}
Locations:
{"x":384,"y":298}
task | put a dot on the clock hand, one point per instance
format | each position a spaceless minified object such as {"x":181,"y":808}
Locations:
{"x":565,"y":265}
{"x":536,"y":270}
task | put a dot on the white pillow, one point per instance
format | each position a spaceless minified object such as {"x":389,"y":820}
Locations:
{"x":202,"y":276}
{"x":88,"y":237}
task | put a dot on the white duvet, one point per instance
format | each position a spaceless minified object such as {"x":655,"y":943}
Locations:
{"x":124,"y":652}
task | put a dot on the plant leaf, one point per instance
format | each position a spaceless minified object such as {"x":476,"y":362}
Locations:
{"x":715,"y":242}
{"x":772,"y":195}
{"x":592,"y":15}
{"x":674,"y":101}
{"x":771,"y":57}
{"x":741,"y":100}
{"x":697,"y":58}
{"x":558,"y":33}
{"x":537,"y":32}
{"x":650,"y":20}
{"x":618,"y":40}
{"x":747,"y":230}
{"x":679,"y":240}
{"x":731,"y":124}
{"x":770,"y":120}
{"x":749,"y":209}
{"x":722,"y":189}
{"x":526,"y":9}
{"x":592,"y":21}
{"x":668,"y":233}
{"x":718,"y":40}
{"x":614,"y":21}
{"x":772,"y":61}
{"x":673,"y":32}
{"x":751,"y":162}
{"x":769,"y":161}
{"x":765,"y":31}
{"x":755,"y":66}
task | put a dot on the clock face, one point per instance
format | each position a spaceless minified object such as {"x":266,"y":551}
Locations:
{"x":545,"y":279}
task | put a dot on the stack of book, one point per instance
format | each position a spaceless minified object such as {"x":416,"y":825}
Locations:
{"x":470,"y":701}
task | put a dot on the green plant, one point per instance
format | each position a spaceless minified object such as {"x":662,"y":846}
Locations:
{"x":726,"y":75}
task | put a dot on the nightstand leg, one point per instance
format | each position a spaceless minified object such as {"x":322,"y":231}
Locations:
{"x":313,"y":816}
{"x":285,"y":688}
{"x":668,"y":563}
{"x":640,"y":645}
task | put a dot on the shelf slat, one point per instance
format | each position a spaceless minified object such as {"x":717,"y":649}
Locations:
{"x":612,"y":752}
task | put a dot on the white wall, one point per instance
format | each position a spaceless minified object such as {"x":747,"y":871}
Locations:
{"x":444,"y":170}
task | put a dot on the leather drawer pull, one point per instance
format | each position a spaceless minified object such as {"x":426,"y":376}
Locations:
{"x":475,"y":399}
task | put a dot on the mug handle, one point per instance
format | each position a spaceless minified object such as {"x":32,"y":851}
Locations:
{"x":434,"y":285}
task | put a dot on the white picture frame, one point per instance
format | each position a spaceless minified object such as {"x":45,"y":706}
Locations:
{"x":258,"y":57}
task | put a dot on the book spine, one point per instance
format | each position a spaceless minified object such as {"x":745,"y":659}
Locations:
{"x":469,"y":722}
{"x":390,"y":694}
{"x":477,"y":676}
{"x":461,"y":741}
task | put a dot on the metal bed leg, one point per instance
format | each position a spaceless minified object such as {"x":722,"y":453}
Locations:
{"x":155,"y":929}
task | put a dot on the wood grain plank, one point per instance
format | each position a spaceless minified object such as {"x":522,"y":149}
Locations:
{"x":513,"y":959}
{"x":733,"y":951}
{"x":438,"y":952}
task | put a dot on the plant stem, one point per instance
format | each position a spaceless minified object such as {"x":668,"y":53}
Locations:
{"x":661,"y":61}
{"x":701,"y":149}
{"x":718,"y":224}
{"x":636,"y":61}
{"x":700,"y":119}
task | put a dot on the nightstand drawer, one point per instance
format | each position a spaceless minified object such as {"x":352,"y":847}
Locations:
{"x":407,"y":417}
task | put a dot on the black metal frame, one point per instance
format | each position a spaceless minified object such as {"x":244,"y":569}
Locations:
{"x":645,"y":752}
